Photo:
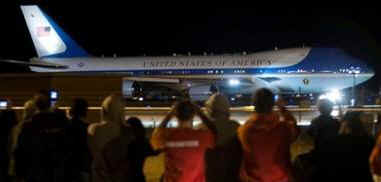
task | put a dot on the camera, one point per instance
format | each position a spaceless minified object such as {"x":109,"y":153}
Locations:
{"x":53,"y":94}
{"x":276,"y":97}
{"x":3,"y":103}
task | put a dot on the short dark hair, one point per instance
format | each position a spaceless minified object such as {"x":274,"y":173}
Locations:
{"x":352,"y":120}
{"x":185,"y":110}
{"x":42,"y":102}
{"x":79,"y":108}
{"x":137,"y":127}
{"x":325,"y":106}
{"x":44,"y":92}
{"x":264,"y":100}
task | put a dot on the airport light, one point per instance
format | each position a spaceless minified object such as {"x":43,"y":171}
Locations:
{"x":141,"y":98}
{"x":53,"y":95}
{"x":3,"y":104}
{"x":334,"y":96}
{"x":335,"y":113}
{"x":353,"y":101}
{"x":234,"y":82}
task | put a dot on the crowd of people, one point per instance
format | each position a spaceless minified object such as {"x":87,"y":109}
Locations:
{"x":48,"y":145}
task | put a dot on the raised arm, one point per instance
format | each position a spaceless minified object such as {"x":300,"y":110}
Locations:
{"x":205,"y":120}
{"x":167,"y":118}
{"x":288,"y":118}
{"x":374,"y":159}
{"x":158,"y":137}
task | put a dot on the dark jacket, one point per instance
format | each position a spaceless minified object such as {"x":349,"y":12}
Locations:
{"x":344,"y":158}
{"x":80,"y":160}
{"x":138,"y":151}
{"x":8,"y":120}
{"x":43,"y":148}
{"x":323,"y":128}
{"x":224,"y":161}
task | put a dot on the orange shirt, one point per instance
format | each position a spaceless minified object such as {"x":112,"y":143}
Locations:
{"x":184,"y":152}
{"x":375,"y":157}
{"x":266,"y":148}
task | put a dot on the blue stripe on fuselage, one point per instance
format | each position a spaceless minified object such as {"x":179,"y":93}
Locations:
{"x":330,"y":59}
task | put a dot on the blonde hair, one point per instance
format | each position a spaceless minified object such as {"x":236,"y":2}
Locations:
{"x":30,"y":109}
{"x":113,"y":109}
{"x":218,"y":105}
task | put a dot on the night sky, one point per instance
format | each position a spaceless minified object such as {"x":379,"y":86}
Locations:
{"x":131,"y":30}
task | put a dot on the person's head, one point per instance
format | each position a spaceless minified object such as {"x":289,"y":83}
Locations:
{"x":353,"y":125}
{"x":43,"y":92}
{"x":42,"y":102}
{"x":79,"y":108}
{"x":29,"y":109}
{"x":264,"y":100}
{"x":325,"y":106}
{"x":218,"y":106}
{"x":185,"y":111}
{"x":137,"y":127}
{"x":112,"y":109}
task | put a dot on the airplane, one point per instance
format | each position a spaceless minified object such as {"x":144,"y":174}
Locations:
{"x":291,"y":70}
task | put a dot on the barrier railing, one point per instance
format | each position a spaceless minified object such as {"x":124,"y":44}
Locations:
{"x":152,"y":115}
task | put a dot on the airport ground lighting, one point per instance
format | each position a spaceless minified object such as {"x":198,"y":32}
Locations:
{"x":334,"y":96}
{"x":234,"y":82}
{"x":3,"y":104}
{"x":354,"y":73}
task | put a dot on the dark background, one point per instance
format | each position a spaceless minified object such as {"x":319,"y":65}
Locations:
{"x":133,"y":30}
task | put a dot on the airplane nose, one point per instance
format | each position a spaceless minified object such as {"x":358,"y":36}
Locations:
{"x":371,"y":73}
{"x":368,"y":70}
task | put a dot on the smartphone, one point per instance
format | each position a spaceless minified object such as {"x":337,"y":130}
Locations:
{"x":276,"y":97}
{"x":53,"y":95}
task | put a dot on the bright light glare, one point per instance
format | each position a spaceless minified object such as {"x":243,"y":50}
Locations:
{"x":51,"y":44}
{"x":352,"y":102}
{"x":53,"y":95}
{"x":234,"y":82}
{"x":334,"y":96}
{"x":335,"y":113}
{"x":3,"y":104}
{"x":141,"y":98}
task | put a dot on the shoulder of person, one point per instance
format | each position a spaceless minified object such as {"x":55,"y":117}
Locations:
{"x":234,"y":122}
{"x":201,"y":126}
{"x":316,"y":119}
{"x":25,"y":126}
{"x":91,"y":130}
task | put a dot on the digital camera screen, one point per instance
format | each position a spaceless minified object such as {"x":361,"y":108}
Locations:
{"x":3,"y":103}
{"x":53,"y":95}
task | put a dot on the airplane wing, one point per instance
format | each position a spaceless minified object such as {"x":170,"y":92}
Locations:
{"x":35,"y":63}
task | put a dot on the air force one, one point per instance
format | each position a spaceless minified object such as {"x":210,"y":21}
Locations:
{"x":303,"y":70}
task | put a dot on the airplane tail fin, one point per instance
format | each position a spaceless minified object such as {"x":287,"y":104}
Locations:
{"x":48,"y":38}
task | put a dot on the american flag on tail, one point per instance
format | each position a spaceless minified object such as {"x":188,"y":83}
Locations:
{"x":43,"y":31}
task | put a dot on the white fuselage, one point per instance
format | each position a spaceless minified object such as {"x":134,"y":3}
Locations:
{"x":282,"y":64}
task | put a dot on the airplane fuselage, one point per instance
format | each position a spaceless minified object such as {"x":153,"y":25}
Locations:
{"x":298,"y":69}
